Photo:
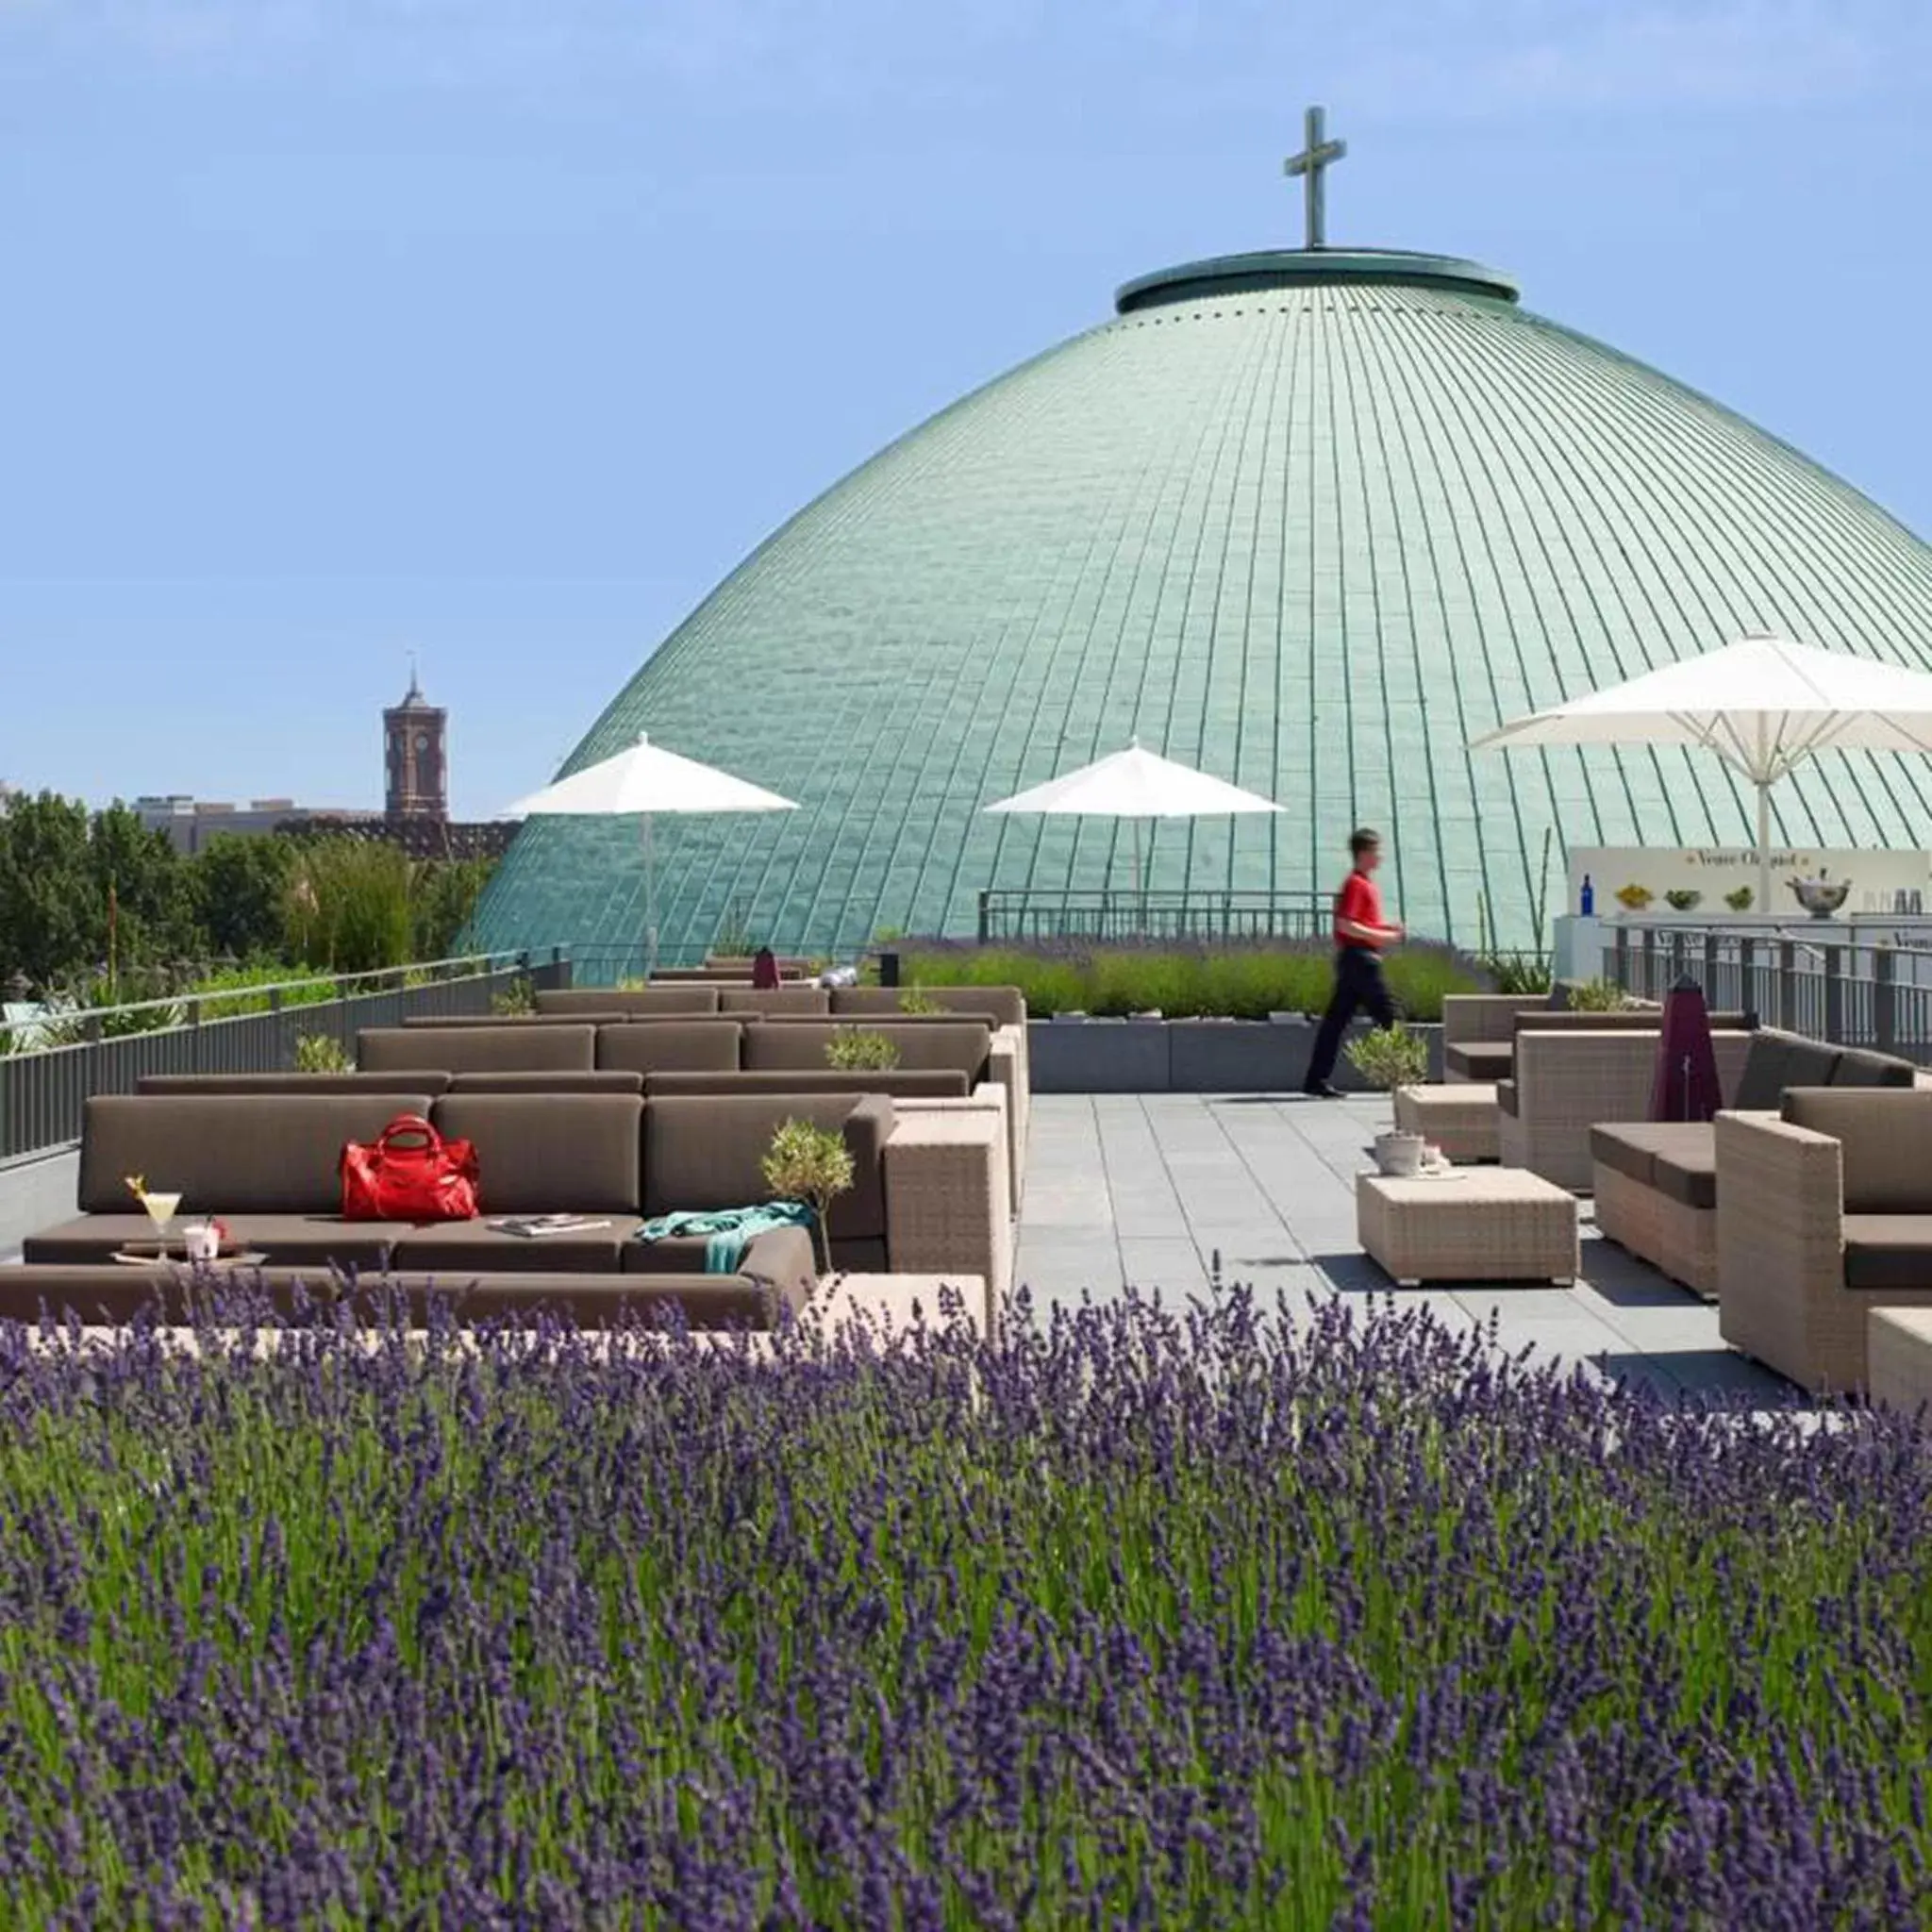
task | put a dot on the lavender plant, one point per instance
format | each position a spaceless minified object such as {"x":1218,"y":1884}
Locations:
{"x":1143,"y":1617}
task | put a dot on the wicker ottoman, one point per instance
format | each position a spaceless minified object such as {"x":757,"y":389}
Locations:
{"x":1460,"y":1119}
{"x":1495,"y":1224}
{"x":948,"y":1198}
{"x":1898,"y":1357}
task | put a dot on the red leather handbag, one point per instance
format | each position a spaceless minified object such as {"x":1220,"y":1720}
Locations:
{"x":411,"y":1173}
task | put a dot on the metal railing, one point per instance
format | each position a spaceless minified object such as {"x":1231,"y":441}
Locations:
{"x":1842,"y":989}
{"x":44,"y":1087}
{"x":1110,"y":916}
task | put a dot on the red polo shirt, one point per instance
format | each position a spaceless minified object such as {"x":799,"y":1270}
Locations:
{"x":1359,"y":902}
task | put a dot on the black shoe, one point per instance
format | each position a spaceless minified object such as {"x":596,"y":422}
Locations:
{"x":1322,"y":1089}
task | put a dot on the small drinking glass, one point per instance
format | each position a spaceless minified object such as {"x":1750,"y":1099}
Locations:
{"x":160,"y":1211}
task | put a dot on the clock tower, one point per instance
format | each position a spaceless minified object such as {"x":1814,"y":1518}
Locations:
{"x":416,"y":768}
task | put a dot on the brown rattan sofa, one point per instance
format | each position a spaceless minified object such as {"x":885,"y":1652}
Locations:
{"x":1823,"y":1213}
{"x":1656,"y":1182}
{"x":930,"y":1197}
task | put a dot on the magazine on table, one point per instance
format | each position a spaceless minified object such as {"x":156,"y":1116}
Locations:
{"x":533,"y":1226}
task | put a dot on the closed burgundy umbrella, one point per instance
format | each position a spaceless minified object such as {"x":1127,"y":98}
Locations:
{"x":1685,"y":1088}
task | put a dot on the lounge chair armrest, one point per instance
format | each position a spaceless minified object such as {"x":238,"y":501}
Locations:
{"x":1780,"y":1239}
{"x":1471,"y":1018}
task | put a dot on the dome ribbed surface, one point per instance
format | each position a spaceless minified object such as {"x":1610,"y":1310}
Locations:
{"x":1311,"y":538}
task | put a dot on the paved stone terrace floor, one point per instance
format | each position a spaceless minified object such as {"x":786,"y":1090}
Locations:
{"x":1147,"y":1188}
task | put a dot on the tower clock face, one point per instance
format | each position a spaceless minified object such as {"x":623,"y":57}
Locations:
{"x":422,"y":740}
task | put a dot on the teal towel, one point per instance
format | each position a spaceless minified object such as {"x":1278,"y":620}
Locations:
{"x":728,"y":1231}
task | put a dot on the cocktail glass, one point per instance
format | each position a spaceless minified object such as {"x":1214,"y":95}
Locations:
{"x":160,"y":1211}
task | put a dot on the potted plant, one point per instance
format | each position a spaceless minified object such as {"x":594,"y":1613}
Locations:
{"x":1741,"y":900}
{"x":918,"y":1002}
{"x":1390,"y":1057}
{"x":1633,"y":898}
{"x":813,"y":1164}
{"x":1683,"y":898}
{"x":859,"y":1049}
{"x":1598,"y":996}
{"x":316,"y":1053}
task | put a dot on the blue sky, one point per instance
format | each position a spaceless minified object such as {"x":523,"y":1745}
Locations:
{"x":500,"y":329}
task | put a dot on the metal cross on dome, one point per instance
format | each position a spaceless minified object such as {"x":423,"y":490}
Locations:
{"x":1316,"y":154}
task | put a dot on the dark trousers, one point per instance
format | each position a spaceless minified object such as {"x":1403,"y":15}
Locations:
{"x":1358,"y":983}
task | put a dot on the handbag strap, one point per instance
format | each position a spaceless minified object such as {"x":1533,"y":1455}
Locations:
{"x":414,"y":1126}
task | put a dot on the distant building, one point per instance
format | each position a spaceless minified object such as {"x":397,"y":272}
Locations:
{"x":415,"y":814}
{"x":415,"y":735}
{"x":191,"y":822}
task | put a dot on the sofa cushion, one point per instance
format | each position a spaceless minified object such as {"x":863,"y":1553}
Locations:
{"x":1886,"y":1137}
{"x":961,"y":1045}
{"x":1676,"y":1158}
{"x":1623,"y":1148}
{"x":1889,"y":1250}
{"x":469,"y":1248}
{"x":549,"y":1153}
{"x":404,"y":1083}
{"x":1005,"y":1006}
{"x":1775,"y":1060}
{"x":1506,"y":1097}
{"x":667,"y":1046}
{"x":602,"y":1081}
{"x":808,"y":1000}
{"x":634,"y":1001}
{"x":1480,"y":1059}
{"x":504,"y":1049}
{"x":937,"y":1083}
{"x":1857,"y":1068}
{"x":229,"y":1153}
{"x":317,"y":1241}
{"x":708,"y":1151}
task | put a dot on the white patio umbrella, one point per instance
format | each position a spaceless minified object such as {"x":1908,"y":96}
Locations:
{"x":640,"y":782}
{"x":1136,"y":783}
{"x":1763,"y":704}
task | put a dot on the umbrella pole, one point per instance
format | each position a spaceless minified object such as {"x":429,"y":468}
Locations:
{"x":1764,"y":846}
{"x":1139,"y":898}
{"x":650,"y":903}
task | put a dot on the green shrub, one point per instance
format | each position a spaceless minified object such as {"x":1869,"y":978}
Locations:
{"x":859,"y":1049}
{"x":348,"y":905}
{"x":1597,"y":996}
{"x":918,"y":1003}
{"x":316,"y":1053}
{"x":302,"y":987}
{"x":517,"y":999}
{"x":1239,"y":983}
{"x":1390,"y":1057}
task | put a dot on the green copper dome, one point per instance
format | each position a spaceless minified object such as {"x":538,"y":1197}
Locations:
{"x":1308,"y":519}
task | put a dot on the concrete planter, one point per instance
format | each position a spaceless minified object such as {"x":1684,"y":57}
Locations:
{"x":1187,"y":1056}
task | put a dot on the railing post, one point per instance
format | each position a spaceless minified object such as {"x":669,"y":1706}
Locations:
{"x":1747,"y":961}
{"x":1709,"y":967}
{"x":1884,"y":1001}
{"x":1834,"y":997}
{"x":1786,"y":986}
{"x":984,"y":896}
{"x":1619,"y":953}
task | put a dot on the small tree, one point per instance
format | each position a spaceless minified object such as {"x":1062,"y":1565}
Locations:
{"x":518,"y":999}
{"x":811,"y":1164}
{"x":1597,"y":996}
{"x":316,"y":1053}
{"x":1390,"y":1057}
{"x":857,"y":1049}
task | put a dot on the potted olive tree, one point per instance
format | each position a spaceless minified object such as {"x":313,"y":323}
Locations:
{"x":810,"y":1163}
{"x":859,"y":1049}
{"x":1390,"y":1057}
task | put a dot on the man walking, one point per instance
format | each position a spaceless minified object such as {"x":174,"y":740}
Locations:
{"x":1360,"y":933}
